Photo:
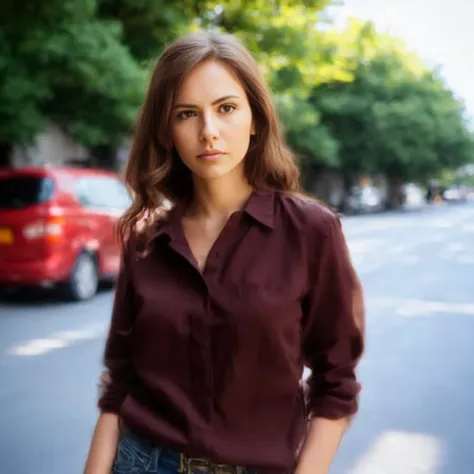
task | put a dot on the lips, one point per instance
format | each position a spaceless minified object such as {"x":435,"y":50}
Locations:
{"x":211,"y":155}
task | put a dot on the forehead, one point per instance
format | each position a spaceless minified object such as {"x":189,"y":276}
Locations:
{"x":209,"y":80}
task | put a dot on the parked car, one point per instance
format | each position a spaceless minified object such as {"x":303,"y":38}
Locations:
{"x":455,"y":194}
{"x":362,"y":200}
{"x":57,"y":228}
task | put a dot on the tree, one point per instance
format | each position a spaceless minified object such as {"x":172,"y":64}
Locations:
{"x":70,"y":68}
{"x":396,"y":116}
{"x":147,"y":26}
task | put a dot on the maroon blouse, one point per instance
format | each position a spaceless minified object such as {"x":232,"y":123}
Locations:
{"x":210,"y":363}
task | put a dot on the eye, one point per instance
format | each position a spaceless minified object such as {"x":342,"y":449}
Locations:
{"x":185,"y":114}
{"x":227,"y":108}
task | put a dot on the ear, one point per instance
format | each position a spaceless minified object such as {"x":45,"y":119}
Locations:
{"x":252,"y":129}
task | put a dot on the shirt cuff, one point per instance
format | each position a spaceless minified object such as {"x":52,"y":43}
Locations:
{"x":336,"y":405}
{"x":111,"y":395}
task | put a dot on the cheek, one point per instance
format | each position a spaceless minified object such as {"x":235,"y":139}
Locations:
{"x":237,"y":131}
{"x":184,"y":139}
{"x":242,"y":122}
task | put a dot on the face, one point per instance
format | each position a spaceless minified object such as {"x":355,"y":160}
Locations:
{"x":211,"y":121}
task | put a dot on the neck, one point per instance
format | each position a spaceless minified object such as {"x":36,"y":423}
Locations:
{"x":219,"y":197}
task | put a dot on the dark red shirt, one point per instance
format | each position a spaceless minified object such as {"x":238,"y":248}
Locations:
{"x":210,"y":364}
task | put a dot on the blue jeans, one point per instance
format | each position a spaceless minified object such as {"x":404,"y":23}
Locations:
{"x":139,"y":456}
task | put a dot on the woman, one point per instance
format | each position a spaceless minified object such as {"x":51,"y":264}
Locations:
{"x":223,"y":298}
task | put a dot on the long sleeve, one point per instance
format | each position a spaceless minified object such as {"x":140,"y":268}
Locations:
{"x":119,"y":375}
{"x":333,"y":326}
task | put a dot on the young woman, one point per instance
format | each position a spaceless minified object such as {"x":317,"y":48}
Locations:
{"x":226,"y":293}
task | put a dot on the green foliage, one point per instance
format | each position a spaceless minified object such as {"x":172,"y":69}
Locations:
{"x":98,"y":85}
{"x":395,"y":116}
{"x":148,"y":25}
{"x":59,"y":61}
{"x":354,"y":100}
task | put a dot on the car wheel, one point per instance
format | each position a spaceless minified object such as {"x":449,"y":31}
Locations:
{"x":84,"y":280}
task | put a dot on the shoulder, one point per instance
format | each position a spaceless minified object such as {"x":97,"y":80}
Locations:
{"x":307,"y":214}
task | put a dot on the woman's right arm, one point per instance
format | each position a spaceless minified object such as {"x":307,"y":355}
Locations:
{"x":118,"y":377}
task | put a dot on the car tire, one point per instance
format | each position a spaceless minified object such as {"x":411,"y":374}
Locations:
{"x":83,"y":282}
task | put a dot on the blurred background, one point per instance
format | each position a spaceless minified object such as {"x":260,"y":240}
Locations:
{"x":376,"y":98}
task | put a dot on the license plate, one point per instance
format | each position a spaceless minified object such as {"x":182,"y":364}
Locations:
{"x":6,"y":236}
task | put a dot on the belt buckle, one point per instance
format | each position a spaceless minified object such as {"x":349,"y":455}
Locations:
{"x":207,"y":466}
{"x":226,"y":469}
{"x":199,"y":464}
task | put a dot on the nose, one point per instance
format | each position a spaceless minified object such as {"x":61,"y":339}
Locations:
{"x":209,"y":131}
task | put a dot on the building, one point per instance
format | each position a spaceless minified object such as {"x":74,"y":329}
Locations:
{"x":52,"y":146}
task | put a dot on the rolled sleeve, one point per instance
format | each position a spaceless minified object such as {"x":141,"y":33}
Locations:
{"x":333,"y":326}
{"x":119,"y":375}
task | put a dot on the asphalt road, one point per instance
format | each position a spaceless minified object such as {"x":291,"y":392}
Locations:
{"x":417,"y":407}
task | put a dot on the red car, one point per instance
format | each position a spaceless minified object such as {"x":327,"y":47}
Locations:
{"x":57,"y":228}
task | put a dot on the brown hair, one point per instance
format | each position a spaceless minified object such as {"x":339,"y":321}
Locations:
{"x":155,"y":172}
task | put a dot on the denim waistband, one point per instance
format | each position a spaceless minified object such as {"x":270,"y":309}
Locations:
{"x":135,"y":450}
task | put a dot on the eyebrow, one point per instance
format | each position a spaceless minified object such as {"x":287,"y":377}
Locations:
{"x":217,"y":101}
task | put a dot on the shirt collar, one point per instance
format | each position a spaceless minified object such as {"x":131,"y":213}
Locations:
{"x":259,"y":206}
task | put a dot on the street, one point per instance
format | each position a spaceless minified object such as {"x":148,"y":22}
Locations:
{"x":417,"y":405}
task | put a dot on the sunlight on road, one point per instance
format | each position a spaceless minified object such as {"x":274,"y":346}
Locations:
{"x":401,"y":453}
{"x":59,"y":340}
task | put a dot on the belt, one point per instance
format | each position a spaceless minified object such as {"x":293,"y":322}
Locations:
{"x":189,"y":465}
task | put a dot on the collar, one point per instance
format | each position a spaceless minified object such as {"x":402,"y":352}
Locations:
{"x":259,"y":206}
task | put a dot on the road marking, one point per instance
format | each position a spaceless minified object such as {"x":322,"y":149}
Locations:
{"x":396,"y":452}
{"x":412,"y":307}
{"x":59,"y":340}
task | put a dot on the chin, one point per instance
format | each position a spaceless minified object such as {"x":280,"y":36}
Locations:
{"x":211,"y":176}
{"x":212,"y":173}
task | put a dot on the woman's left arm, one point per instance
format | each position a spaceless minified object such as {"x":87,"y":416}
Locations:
{"x":333,"y":343}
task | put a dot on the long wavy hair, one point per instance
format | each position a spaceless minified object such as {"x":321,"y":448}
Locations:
{"x":155,"y":173}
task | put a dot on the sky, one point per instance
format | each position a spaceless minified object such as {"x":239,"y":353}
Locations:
{"x":442,"y":33}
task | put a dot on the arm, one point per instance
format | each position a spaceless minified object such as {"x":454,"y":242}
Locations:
{"x":104,"y":445}
{"x":118,"y":377}
{"x":333,"y":330}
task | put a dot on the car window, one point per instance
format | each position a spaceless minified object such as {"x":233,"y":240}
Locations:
{"x":118,"y":195}
{"x":101,"y":192}
{"x":20,"y":192}
{"x":85,"y":192}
